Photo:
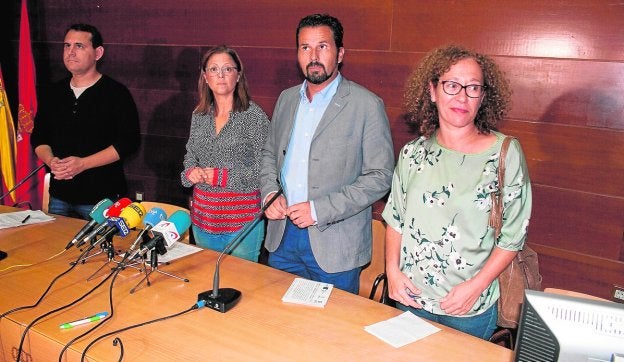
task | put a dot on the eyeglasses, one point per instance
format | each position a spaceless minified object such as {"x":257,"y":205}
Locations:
{"x":472,"y":90}
{"x":227,"y":70}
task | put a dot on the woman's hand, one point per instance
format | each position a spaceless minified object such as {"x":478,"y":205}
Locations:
{"x":461,"y":298}
{"x":401,"y":288}
{"x":203,"y":175}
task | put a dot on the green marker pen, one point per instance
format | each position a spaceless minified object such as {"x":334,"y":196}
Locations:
{"x":94,"y":318}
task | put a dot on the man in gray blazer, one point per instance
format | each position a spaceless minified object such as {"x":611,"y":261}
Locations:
{"x":329,"y":148}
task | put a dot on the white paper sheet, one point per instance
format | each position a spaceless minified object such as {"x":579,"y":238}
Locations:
{"x":14,"y":219}
{"x":402,"y":329}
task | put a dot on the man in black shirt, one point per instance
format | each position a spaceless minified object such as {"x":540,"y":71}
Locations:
{"x":86,"y":125}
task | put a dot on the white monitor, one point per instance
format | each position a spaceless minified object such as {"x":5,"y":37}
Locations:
{"x":557,"y":327}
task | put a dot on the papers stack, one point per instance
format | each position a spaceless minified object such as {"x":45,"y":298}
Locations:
{"x":308,"y":292}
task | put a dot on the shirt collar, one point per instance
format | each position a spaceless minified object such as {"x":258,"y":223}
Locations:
{"x":327,"y":93}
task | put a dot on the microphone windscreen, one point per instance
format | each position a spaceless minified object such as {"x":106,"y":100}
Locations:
{"x":154,"y":216}
{"x":170,"y":230}
{"x":117,"y":207}
{"x":99,"y":210}
{"x":182,"y":221}
{"x":133,"y":214}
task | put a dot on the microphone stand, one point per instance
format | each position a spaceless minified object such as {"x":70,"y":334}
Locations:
{"x":3,"y":254}
{"x":153,"y":267}
{"x":105,"y":244}
{"x":105,"y":247}
{"x":22,"y":181}
{"x":223,"y":299}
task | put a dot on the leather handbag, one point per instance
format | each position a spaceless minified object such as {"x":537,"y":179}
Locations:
{"x":523,"y":271}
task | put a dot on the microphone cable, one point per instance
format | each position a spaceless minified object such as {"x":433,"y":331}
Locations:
{"x":26,"y":265}
{"x":115,"y":273}
{"x":200,"y":304}
{"x":73,"y":265}
{"x":121,"y":266}
{"x":21,"y":344}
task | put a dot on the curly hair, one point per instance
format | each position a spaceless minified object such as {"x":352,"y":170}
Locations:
{"x":423,"y":113}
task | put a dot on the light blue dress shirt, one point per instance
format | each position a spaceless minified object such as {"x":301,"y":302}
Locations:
{"x":294,"y":174}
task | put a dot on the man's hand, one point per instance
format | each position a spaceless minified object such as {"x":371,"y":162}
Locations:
{"x":301,"y":214}
{"x":66,"y":168}
{"x":277,"y":210}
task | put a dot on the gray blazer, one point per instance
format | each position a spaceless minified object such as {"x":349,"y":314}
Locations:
{"x":351,"y":165}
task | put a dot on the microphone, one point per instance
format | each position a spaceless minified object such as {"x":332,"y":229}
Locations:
{"x":166,"y":233}
{"x":153,"y":217}
{"x":224,"y":299}
{"x":22,"y":181}
{"x":97,"y":217}
{"x":114,"y":210}
{"x":3,"y":254}
{"x":129,"y":218}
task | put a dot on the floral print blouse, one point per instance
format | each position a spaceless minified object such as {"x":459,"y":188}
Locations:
{"x":440,"y":204}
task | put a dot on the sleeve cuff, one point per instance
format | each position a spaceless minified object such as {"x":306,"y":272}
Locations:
{"x":313,"y":212}
{"x":219,"y":177}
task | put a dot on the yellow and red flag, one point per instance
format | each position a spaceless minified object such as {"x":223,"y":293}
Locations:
{"x":27,"y":161}
{"x":7,"y":146}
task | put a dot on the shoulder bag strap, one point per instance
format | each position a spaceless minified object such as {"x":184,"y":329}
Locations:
{"x":496,"y":211}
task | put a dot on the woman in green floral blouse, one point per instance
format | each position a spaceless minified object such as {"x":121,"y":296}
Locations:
{"x":442,"y":258}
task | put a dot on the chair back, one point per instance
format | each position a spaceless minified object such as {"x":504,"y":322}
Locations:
{"x":373,"y":274}
{"x":45,"y":198}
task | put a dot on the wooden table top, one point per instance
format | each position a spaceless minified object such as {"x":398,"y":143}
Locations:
{"x":261,"y":327}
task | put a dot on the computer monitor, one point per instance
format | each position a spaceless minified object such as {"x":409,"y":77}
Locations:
{"x":557,"y":327}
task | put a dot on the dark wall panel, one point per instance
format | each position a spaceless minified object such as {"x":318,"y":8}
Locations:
{"x":240,"y":23}
{"x":581,"y":222}
{"x":577,"y":158}
{"x":578,"y":272}
{"x":572,"y":92}
{"x":564,"y":59}
{"x":578,"y":29}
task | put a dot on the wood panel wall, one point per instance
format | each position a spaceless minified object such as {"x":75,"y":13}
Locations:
{"x":565,"y":60}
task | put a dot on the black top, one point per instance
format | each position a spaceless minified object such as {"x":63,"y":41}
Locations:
{"x":105,"y":114}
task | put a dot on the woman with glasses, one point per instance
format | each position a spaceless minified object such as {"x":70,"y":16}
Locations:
{"x":222,"y":160}
{"x":442,"y":258}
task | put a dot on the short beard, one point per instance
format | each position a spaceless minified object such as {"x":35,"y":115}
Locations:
{"x":319,"y":77}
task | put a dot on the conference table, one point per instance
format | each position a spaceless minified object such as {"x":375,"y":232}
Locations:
{"x":260,"y":327}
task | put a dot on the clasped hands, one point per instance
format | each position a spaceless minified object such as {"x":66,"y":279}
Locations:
{"x":458,"y":301}
{"x":201,"y":174}
{"x":300,"y":214}
{"x":66,"y":168}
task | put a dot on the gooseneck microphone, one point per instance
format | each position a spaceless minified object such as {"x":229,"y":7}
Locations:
{"x":97,"y":215}
{"x":224,"y":299}
{"x":3,"y":254}
{"x":22,"y":181}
